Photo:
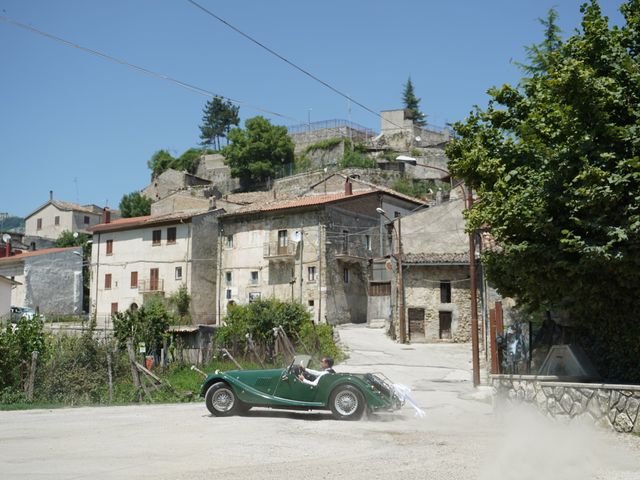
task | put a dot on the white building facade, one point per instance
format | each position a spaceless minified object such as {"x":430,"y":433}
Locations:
{"x":132,"y":258}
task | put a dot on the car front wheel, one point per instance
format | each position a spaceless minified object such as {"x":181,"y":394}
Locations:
{"x":346,"y":403}
{"x":221,"y":400}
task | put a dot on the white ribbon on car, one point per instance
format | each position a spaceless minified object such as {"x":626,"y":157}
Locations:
{"x":404,"y":395}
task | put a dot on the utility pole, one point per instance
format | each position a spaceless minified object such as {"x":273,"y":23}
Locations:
{"x":402,"y":322}
{"x":474,"y":299}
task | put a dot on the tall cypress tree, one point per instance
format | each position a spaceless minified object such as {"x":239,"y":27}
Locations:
{"x":412,"y":103}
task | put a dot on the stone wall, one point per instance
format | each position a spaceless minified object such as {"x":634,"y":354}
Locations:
{"x":611,"y":406}
{"x":422,"y":291}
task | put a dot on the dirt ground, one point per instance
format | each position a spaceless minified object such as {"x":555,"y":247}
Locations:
{"x":461,"y":437}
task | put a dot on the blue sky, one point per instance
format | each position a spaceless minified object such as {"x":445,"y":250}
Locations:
{"x":84,"y":127}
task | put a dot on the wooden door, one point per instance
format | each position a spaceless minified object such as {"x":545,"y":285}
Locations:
{"x":416,"y":323}
{"x":282,"y":242}
{"x":445,"y":325}
{"x":154,"y":279}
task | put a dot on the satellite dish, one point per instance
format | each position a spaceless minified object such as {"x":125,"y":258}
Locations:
{"x":388,"y":265}
{"x":6,"y":238}
{"x":297,"y":236}
{"x":418,"y":139}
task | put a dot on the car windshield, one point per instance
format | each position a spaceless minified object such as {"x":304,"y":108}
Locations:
{"x":298,"y":359}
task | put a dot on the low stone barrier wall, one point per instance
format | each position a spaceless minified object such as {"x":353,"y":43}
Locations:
{"x":612,"y":406}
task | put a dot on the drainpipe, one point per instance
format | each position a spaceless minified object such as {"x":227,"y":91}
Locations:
{"x":321,"y":250}
{"x":95,"y":313}
{"x":301,"y":260}
{"x":219,"y":272}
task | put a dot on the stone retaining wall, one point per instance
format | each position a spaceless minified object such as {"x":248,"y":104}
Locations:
{"x":612,"y":406}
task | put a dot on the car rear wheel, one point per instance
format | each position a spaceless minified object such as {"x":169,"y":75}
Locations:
{"x":347,"y":403}
{"x":221,"y":400}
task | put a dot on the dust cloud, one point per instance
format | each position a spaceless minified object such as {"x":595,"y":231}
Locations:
{"x":532,"y":446}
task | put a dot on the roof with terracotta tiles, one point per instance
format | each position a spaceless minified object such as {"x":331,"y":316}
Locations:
{"x":436,"y":258}
{"x":370,"y":185}
{"x":307,"y":201}
{"x":147,"y":220}
{"x":36,"y":253}
{"x":69,"y":206}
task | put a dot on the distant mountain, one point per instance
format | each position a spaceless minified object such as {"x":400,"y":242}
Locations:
{"x":9,"y":223}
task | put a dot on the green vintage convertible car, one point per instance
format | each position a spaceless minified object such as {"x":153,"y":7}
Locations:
{"x":347,"y":395}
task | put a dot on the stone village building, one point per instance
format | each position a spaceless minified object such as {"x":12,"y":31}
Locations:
{"x":135,"y":257}
{"x":54,"y":217}
{"x":314,"y":249}
{"x":435,"y":274}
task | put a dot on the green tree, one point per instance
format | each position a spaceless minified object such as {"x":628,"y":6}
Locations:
{"x":253,"y":153}
{"x":160,"y":161}
{"x":556,"y":162}
{"x":540,"y":55}
{"x":135,"y":205}
{"x":181,"y":301}
{"x":412,"y":103}
{"x":147,"y":324}
{"x":218,"y":117}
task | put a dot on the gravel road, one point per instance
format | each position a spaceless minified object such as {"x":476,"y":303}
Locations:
{"x":460,"y":437}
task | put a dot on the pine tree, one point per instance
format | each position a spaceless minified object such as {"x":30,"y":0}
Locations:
{"x":217,"y":119}
{"x":541,"y":55}
{"x":412,"y":103}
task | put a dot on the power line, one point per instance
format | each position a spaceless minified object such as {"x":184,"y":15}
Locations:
{"x":151,"y":73}
{"x":287,"y":61}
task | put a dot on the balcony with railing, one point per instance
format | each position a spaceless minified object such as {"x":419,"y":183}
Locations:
{"x":351,"y":252}
{"x":151,"y":285}
{"x":273,"y":251}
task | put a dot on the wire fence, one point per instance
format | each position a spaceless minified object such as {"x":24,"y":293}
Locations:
{"x":328,"y":125}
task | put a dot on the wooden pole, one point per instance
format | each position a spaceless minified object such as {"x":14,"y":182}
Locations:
{"x":402,"y":323}
{"x":134,"y":371}
{"x":475,"y":341}
{"x":493,"y":337}
{"x":32,"y":376}
{"x":227,"y":354}
{"x":110,"y":373}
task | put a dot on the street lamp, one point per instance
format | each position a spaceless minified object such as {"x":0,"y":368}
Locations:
{"x":472,"y":269}
{"x":398,"y":255}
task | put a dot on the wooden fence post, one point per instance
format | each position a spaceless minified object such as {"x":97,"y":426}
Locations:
{"x":134,"y":371}
{"x":110,"y":373}
{"x":493,"y":340}
{"x":32,"y":375}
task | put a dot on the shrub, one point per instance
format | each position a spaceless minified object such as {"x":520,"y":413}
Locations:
{"x":75,"y":371}
{"x":327,"y":144}
{"x":259,"y":318}
{"x":181,"y":301}
{"x":356,"y":159}
{"x":16,"y":346}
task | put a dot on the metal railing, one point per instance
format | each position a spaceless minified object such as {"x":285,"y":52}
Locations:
{"x":274,"y":250}
{"x":151,"y":285}
{"x":329,"y":124}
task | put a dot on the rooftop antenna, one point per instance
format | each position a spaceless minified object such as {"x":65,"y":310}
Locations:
{"x":75,"y":181}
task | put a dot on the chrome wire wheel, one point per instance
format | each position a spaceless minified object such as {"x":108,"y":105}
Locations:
{"x":223,"y":400}
{"x":346,"y":402}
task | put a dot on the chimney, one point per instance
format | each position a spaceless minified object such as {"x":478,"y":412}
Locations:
{"x":348,"y":187}
{"x":106,"y":215}
{"x":50,"y":195}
